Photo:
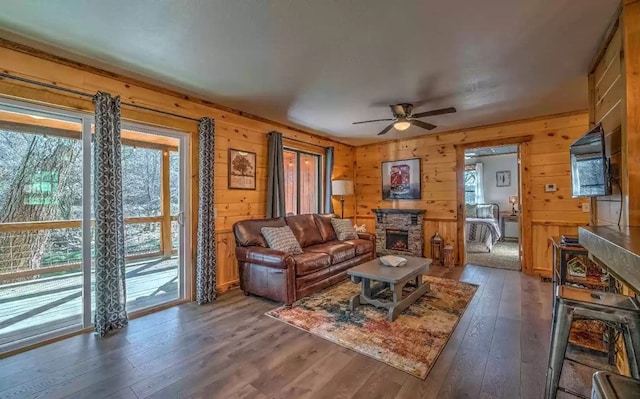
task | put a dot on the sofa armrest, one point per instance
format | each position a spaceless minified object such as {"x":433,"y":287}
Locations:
{"x":265,"y":257}
{"x":367,"y":236}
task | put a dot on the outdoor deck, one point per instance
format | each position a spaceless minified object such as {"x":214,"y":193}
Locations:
{"x":49,"y":303}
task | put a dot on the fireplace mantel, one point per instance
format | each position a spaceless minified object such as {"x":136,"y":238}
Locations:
{"x":414,"y":213}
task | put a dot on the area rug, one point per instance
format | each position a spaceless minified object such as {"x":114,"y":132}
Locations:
{"x":411,"y":343}
{"x":505,"y":255}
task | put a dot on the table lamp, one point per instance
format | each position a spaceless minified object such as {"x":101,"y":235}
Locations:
{"x":342,"y":188}
{"x":513,"y":200}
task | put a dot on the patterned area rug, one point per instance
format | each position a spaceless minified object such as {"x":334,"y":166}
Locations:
{"x":411,"y":343}
{"x":503,"y":256}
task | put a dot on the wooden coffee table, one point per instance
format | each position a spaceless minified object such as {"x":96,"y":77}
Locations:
{"x":392,"y":278}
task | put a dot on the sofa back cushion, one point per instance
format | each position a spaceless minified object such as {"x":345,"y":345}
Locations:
{"x":281,"y":239}
{"x":323,"y":221}
{"x":248,"y":232}
{"x":305,"y":229}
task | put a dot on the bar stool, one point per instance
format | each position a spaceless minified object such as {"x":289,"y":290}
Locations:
{"x":613,"y":386}
{"x":594,"y":305}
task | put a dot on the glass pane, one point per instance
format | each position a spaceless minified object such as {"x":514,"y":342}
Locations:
{"x":152,"y":271}
{"x":141,"y":181}
{"x":470,"y":180}
{"x":40,"y":181}
{"x":174,"y":171}
{"x":309,"y":183}
{"x":290,"y":182}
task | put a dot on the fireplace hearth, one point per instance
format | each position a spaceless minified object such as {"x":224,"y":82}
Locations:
{"x":399,"y":231}
{"x":397,"y":240}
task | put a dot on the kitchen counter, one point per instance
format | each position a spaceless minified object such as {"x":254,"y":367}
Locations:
{"x":616,"y":247}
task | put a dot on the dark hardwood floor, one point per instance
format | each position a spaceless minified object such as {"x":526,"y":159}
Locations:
{"x":229,"y":349}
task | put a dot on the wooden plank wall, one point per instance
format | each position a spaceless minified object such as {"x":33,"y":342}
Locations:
{"x":547,"y":158}
{"x":631,"y":41}
{"x":233,"y":129}
{"x":614,"y":85}
{"x":607,"y":92}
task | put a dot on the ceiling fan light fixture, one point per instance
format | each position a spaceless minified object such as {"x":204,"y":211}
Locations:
{"x":402,"y":125}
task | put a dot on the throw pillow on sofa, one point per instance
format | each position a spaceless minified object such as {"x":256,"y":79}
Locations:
{"x":344,"y":229}
{"x":281,"y":239}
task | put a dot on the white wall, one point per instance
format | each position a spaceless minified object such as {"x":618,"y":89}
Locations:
{"x":491,"y":165}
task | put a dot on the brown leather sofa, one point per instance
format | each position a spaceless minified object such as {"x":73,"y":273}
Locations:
{"x":286,"y":278}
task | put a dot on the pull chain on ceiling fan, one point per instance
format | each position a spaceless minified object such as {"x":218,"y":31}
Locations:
{"x":403,"y":117}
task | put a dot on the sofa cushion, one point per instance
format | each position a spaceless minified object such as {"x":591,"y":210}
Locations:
{"x":361,"y":246}
{"x":310,"y":262}
{"x":344,"y":229}
{"x":305,"y":229}
{"x":339,"y":251}
{"x":247,"y":232}
{"x":281,"y":239}
{"x":323,"y":221}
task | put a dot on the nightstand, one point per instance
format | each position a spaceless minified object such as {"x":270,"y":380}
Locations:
{"x":507,"y":218}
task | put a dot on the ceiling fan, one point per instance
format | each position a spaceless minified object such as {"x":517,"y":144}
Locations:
{"x":403,"y":117}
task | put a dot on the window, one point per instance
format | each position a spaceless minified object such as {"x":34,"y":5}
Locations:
{"x":302,"y":178}
{"x":470,"y":183}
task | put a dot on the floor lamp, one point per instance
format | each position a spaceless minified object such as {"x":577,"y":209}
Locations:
{"x":342,"y":188}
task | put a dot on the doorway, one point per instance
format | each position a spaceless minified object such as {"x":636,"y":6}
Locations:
{"x":46,"y":220}
{"x":492,"y":219}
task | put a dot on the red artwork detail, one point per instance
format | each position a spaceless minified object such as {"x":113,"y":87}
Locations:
{"x":400,"y":178}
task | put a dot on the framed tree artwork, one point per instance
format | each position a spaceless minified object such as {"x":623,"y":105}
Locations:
{"x":503,"y":178}
{"x":242,"y":170}
{"x":401,"y":179}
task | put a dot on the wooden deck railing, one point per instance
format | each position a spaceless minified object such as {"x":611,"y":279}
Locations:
{"x":165,"y":241}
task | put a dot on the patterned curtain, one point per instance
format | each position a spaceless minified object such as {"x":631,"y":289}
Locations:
{"x":275,"y":176}
{"x":110,"y":290}
{"x":328,"y":173}
{"x":206,"y":259}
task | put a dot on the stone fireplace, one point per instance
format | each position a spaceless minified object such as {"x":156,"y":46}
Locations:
{"x":399,"y":231}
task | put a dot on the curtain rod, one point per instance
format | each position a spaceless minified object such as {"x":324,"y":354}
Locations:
{"x":80,"y":93}
{"x":304,"y":142}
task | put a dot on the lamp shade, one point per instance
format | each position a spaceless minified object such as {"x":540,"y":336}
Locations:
{"x":341,"y":187}
{"x":513,"y":199}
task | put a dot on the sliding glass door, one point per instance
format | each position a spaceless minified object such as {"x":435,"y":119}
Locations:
{"x":46,"y":235}
{"x":152,"y":167}
{"x":42,"y":242}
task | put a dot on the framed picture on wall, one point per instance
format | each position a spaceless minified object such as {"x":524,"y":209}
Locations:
{"x":242,"y":170}
{"x":401,"y":179}
{"x":503,"y":178}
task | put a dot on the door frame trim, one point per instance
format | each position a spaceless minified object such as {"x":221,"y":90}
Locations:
{"x":525,"y":222}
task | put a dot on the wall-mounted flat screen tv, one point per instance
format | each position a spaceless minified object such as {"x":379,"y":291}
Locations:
{"x":589,"y":176}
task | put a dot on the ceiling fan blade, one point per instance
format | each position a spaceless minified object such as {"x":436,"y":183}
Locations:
{"x":423,"y":125}
{"x":385,"y":130}
{"x":442,"y":111}
{"x":373,"y":120}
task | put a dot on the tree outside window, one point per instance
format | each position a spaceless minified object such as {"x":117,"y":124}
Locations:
{"x":470,"y":183}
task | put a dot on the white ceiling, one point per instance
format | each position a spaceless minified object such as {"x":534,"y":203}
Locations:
{"x":322,"y":64}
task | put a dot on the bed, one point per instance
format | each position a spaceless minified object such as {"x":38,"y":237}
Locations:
{"x":482,"y":225}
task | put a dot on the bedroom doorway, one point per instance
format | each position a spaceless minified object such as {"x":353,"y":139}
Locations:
{"x":492,"y":209}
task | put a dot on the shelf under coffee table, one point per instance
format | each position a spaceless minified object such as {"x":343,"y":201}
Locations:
{"x":375,"y":277}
